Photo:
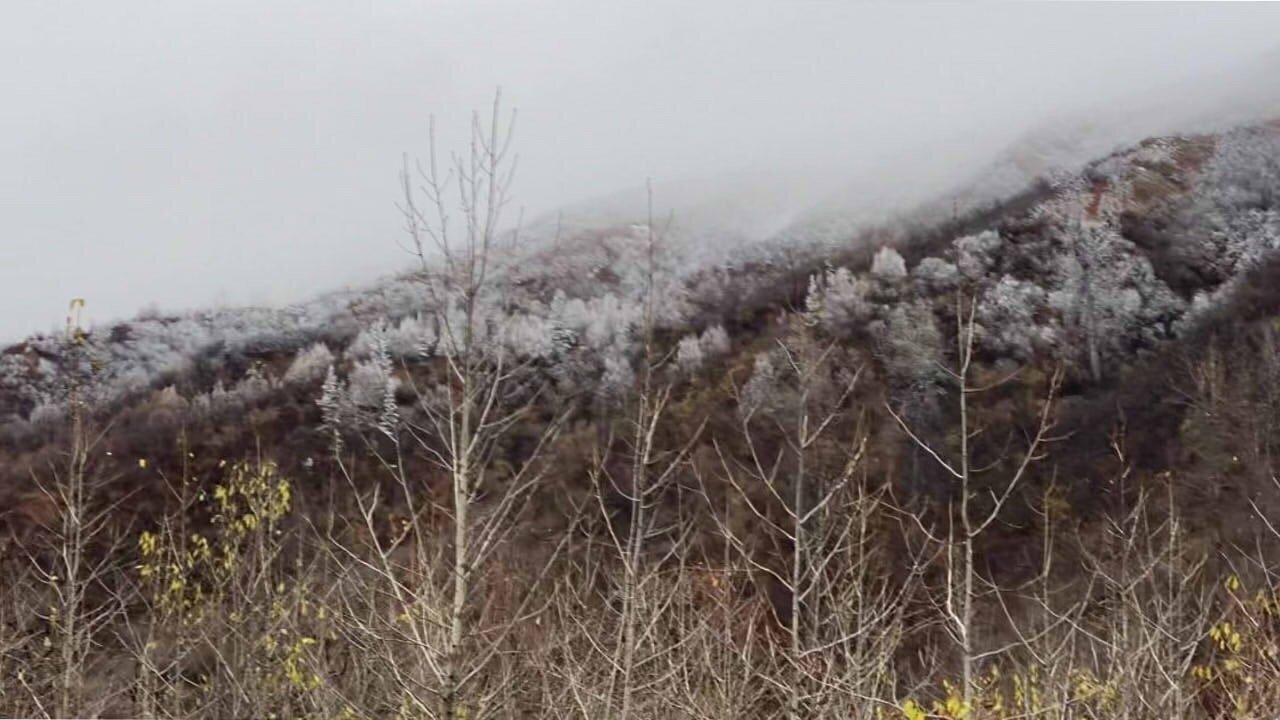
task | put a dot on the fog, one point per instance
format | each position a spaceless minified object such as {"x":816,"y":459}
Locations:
{"x":202,"y":153}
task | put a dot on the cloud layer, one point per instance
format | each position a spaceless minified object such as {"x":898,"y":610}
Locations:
{"x":198,"y":153}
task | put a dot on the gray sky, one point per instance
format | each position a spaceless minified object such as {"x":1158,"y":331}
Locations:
{"x":195,"y":153}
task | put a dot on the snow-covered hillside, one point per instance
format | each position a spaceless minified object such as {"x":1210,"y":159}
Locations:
{"x":1079,"y":268}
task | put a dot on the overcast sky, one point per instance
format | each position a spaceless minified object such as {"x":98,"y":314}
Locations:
{"x":186,"y":154}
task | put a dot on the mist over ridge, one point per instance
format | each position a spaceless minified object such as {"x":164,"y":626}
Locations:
{"x":222,"y":154}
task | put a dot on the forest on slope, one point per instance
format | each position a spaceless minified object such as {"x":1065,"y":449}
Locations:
{"x":1010,"y":460}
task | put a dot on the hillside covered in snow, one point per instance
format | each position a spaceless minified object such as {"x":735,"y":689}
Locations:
{"x":1128,"y":253}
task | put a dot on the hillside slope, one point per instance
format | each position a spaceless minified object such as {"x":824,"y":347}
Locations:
{"x":1152,"y":238}
{"x":1120,"y":322}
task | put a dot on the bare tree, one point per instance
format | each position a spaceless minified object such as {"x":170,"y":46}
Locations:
{"x":801,"y":483}
{"x":449,"y":638}
{"x":973,"y":509}
{"x":76,"y":559}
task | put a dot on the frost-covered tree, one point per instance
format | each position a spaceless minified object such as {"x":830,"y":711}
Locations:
{"x":976,"y":254}
{"x":760,"y":392}
{"x":1006,"y":319}
{"x":693,"y":351}
{"x":936,"y":275}
{"x":368,"y":397}
{"x":1087,"y":288}
{"x":611,"y":321}
{"x":334,"y":407}
{"x":619,"y":377}
{"x":597,"y":323}
{"x":1108,"y":293}
{"x":1233,"y":220}
{"x":689,"y":356}
{"x":714,"y":342}
{"x":887,"y":264}
{"x":838,"y":301}
{"x":1244,"y":172}
{"x":309,"y":365}
{"x":369,"y":383}
{"x":413,"y":337}
{"x":529,"y":336}
{"x":910,"y":346}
